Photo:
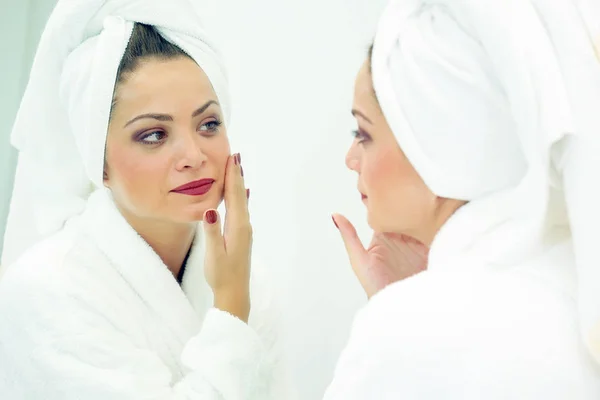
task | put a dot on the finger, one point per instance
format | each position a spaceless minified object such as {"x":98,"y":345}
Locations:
{"x":215,"y":244}
{"x":354,"y":247}
{"x":235,"y":192}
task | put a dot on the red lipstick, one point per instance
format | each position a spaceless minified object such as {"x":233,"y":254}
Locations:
{"x":195,"y":188}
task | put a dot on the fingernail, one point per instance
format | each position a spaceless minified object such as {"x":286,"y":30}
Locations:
{"x":247,"y":193}
{"x":335,"y":223}
{"x":211,"y":216}
{"x":235,"y":159}
{"x":239,"y":157}
{"x":242,"y":170}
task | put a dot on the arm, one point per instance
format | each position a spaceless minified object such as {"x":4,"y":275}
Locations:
{"x":267,"y":319}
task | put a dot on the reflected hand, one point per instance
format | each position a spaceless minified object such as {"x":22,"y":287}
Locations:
{"x":389,"y":258}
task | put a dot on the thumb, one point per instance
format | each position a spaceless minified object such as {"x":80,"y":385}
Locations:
{"x":215,"y":245}
{"x":354,"y":247}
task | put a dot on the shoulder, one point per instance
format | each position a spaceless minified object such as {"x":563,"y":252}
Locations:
{"x":467,"y":297}
{"x":41,"y":267}
{"x":500,"y":327}
{"x":66,"y":258}
{"x":51,"y":282}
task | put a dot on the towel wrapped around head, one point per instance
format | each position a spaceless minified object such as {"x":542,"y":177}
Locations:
{"x":498,"y":103}
{"x":61,"y":126}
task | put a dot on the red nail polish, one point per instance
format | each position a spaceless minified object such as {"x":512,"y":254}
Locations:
{"x":242,"y":170}
{"x":335,"y":223}
{"x":247,"y":193}
{"x":211,"y":216}
{"x":239,"y":158}
{"x":235,"y":159}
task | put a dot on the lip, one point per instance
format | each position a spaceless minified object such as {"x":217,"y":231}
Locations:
{"x":195,"y":188}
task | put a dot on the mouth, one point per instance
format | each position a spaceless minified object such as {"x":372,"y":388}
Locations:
{"x":363,"y":196}
{"x":195,"y":188}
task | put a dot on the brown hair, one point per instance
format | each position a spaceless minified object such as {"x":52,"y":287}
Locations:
{"x":369,"y":57}
{"x":145,"y":42}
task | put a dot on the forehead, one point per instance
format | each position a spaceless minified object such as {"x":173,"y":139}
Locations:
{"x":169,"y":77}
{"x":364,"y":95}
{"x":163,"y":86}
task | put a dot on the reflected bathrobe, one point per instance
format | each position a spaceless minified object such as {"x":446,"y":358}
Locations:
{"x":93,"y":313}
{"x":469,"y":329}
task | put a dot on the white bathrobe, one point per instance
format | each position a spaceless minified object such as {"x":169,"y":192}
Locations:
{"x":93,"y":313}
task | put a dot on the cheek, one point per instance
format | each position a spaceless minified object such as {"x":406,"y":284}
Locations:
{"x":391,"y":181}
{"x":218,"y":149}
{"x":135,"y":170}
{"x":217,"y":152}
{"x":380,"y":170}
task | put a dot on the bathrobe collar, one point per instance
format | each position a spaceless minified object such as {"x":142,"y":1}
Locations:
{"x":180,"y":307}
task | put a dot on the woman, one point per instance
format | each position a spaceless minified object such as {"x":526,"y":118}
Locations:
{"x":478,"y":137}
{"x":116,"y":176}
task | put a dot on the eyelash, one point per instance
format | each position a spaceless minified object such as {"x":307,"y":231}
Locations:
{"x":217,"y":123}
{"x":214,"y":130}
{"x":361,"y":136}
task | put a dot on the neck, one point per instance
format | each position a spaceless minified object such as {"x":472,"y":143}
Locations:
{"x":171,"y":241}
{"x":445,"y":209}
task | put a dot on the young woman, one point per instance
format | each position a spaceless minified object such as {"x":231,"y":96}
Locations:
{"x":478,"y":138}
{"x":120,"y":292}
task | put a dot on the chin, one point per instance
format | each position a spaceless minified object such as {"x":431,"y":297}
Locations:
{"x":190,"y":213}
{"x":196,"y":212}
{"x":384,"y":225}
{"x":373,"y":223}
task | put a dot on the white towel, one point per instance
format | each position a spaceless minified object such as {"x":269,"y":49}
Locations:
{"x":590,"y":12}
{"x":60,"y":129}
{"x":498,"y":103}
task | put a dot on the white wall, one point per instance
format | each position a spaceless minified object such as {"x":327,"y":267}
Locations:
{"x":292,"y":67}
{"x":21,"y":24}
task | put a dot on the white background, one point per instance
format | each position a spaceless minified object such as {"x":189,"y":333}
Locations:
{"x":292,"y":67}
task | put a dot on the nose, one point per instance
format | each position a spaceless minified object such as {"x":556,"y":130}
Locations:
{"x":189,"y":151}
{"x":352,"y":159}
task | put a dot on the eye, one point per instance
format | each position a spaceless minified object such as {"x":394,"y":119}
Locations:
{"x":153,"y":137}
{"x":361,"y":136}
{"x":211,"y":126}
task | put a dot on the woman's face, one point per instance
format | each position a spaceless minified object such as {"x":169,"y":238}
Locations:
{"x":166,"y":130}
{"x":396,"y":197}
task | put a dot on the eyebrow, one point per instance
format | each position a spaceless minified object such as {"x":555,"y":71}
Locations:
{"x":363,"y":116}
{"x":166,"y":117}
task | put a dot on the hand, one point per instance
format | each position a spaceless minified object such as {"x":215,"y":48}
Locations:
{"x":390,"y":257}
{"x":227,"y":258}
